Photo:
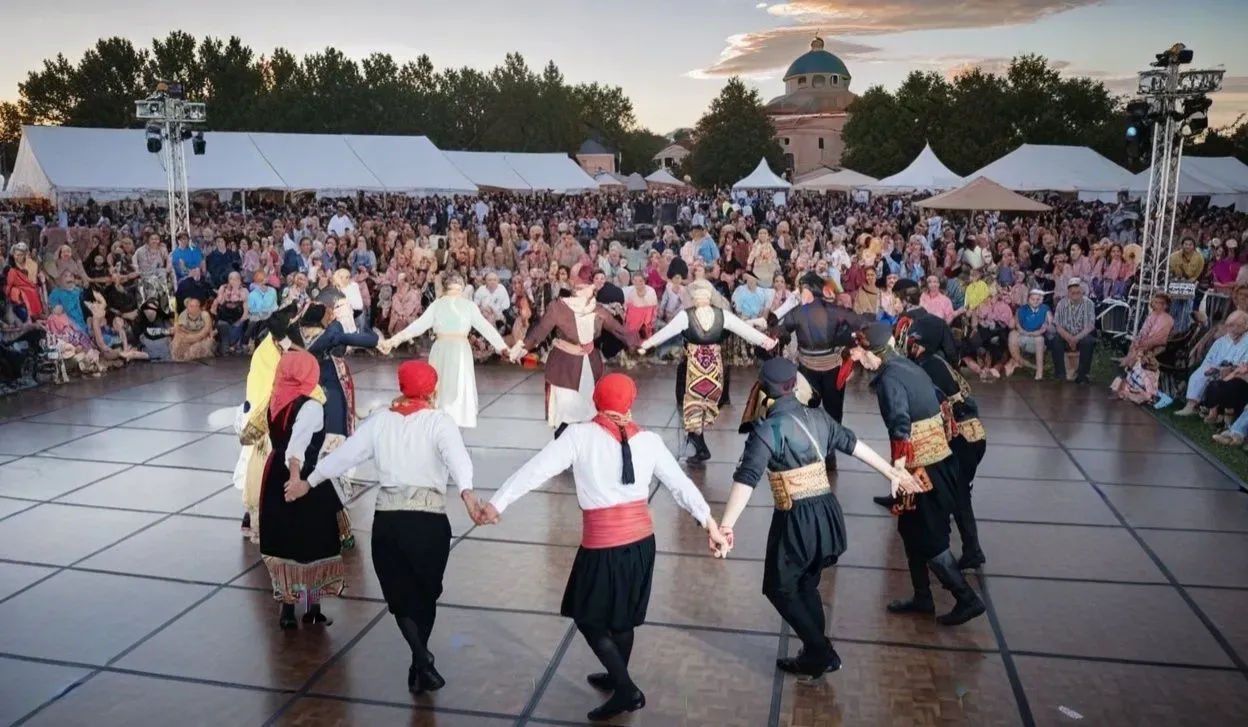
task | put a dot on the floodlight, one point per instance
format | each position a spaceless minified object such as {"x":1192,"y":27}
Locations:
{"x":152,"y":135}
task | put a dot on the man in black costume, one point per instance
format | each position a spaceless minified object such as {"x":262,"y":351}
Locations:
{"x":971,"y":440}
{"x":789,"y":443}
{"x":919,"y":439}
{"x":822,"y":328}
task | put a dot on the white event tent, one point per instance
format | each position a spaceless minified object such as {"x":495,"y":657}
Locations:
{"x":762,"y":178}
{"x":663,"y":178}
{"x":488,"y":169}
{"x":1053,"y":168}
{"x":409,"y":165}
{"x":552,"y":172}
{"x":926,"y":172}
{"x":844,"y":180}
{"x":321,"y":163}
{"x":635,"y":182}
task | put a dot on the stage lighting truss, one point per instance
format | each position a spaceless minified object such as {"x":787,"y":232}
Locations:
{"x":169,"y":118}
{"x":1177,"y":108}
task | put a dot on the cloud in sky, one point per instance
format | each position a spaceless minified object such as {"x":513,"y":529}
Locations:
{"x":754,"y":54}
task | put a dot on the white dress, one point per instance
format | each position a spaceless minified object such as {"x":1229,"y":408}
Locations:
{"x":451,"y":319}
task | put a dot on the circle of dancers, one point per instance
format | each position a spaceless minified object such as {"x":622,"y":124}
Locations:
{"x":301,"y":446}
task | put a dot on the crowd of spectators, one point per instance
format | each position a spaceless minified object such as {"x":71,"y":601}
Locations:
{"x":101,"y":285}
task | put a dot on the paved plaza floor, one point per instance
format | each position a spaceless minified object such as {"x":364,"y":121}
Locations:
{"x":1117,"y":579}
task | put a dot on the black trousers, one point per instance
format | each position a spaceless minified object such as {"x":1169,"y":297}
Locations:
{"x":1057,"y":348}
{"x":824,"y":391}
{"x":1230,"y":395}
{"x":410,"y":552}
{"x":801,"y":543}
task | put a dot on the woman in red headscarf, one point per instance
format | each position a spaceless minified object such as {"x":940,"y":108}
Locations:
{"x":300,"y":541}
{"x":417,"y":448}
{"x":612,"y":462}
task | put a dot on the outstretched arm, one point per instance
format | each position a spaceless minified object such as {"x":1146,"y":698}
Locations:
{"x":554,"y":458}
{"x":674,"y":328}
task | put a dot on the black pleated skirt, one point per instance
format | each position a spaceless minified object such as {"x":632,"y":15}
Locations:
{"x":609,"y":588}
{"x":410,"y":550}
{"x":804,"y":540}
{"x":925,"y":529}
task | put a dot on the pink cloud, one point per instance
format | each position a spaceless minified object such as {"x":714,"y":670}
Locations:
{"x":768,"y":50}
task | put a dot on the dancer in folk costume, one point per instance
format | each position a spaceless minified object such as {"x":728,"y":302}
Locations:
{"x":252,"y":421}
{"x":789,"y":443}
{"x":452,"y":317}
{"x":700,"y":377}
{"x":321,"y":334}
{"x":299,"y":541}
{"x":923,"y":338}
{"x":919,"y":434}
{"x":417,"y":448}
{"x":574,"y":362}
{"x":612,"y":462}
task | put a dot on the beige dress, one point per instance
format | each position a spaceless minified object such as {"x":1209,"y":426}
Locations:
{"x":179,"y":350}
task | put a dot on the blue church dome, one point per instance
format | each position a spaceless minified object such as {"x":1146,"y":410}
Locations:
{"x":817,"y":60}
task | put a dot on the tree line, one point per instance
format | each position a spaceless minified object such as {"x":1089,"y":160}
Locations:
{"x":508,"y":108}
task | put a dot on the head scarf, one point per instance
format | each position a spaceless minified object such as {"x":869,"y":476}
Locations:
{"x":613,"y":397}
{"x":584,"y":276}
{"x":418,"y":381}
{"x":297,"y":375}
{"x":677,"y":267}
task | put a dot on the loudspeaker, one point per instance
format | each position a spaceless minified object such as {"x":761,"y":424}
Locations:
{"x":667,"y":213}
{"x":643,"y":213}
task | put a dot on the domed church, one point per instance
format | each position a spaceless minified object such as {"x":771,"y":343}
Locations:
{"x":811,"y":113}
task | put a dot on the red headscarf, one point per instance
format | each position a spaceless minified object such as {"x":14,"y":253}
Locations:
{"x":298,"y":374}
{"x":614,"y":396}
{"x":584,"y":276}
{"x":418,"y":381}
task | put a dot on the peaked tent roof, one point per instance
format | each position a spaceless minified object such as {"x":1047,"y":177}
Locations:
{"x":762,"y":178}
{"x":1053,"y":168}
{"x":842,"y":180}
{"x":321,"y":162}
{"x":488,"y":169}
{"x":409,"y":165}
{"x":1227,"y":170}
{"x":983,"y":194}
{"x":662,"y":176}
{"x":927,"y":171}
{"x":1192,"y":183}
{"x":607,"y":179}
{"x":551,"y":171}
{"x":635,"y":182}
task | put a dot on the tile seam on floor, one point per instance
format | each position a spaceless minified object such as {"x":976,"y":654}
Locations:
{"x":59,"y":696}
{"x":334,"y":658}
{"x":1212,"y":628}
{"x":548,"y":675}
{"x":776,"y":707}
{"x":432,"y":709}
{"x":1021,"y":701}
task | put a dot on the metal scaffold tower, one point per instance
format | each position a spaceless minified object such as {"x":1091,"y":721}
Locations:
{"x":169,"y":120}
{"x":1172,"y":106}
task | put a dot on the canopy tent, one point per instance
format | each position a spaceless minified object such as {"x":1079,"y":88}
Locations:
{"x":983,"y":194}
{"x":1191,"y":183}
{"x":409,"y":165}
{"x":323,"y":163}
{"x":1052,"y":168}
{"x":107,"y":163}
{"x":608,"y":181}
{"x":762,"y":178}
{"x":841,"y":181}
{"x":488,"y":169}
{"x":1228,"y":172}
{"x":927,"y":171}
{"x":635,"y":182}
{"x":552,"y":171}
{"x":664,"y":178}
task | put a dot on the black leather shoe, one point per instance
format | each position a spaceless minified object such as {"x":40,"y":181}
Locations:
{"x":619,"y":703}
{"x":918,"y":604}
{"x":601,"y":681}
{"x":884,"y":501}
{"x":314,"y":617}
{"x":429,"y":679}
{"x":969,"y":604}
{"x":962,"y":612}
{"x":800,"y":667}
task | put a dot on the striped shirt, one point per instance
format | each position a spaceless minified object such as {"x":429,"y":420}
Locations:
{"x":1075,"y":317}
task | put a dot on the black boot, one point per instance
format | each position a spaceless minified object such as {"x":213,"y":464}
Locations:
{"x":969,"y":605}
{"x":421,"y":676}
{"x":621,"y":702}
{"x":972,"y":557}
{"x":972,"y":554}
{"x":701,"y":453}
{"x":885,"y":501}
{"x":810,"y":668}
{"x":315,"y":617}
{"x":921,"y":601}
{"x":286,"y":617}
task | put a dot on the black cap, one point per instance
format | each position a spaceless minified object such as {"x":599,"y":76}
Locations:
{"x":927,"y":331}
{"x":878,"y":335}
{"x":811,"y":282}
{"x":778,"y":377}
{"x":903,"y":285}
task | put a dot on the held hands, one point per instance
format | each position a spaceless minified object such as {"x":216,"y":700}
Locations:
{"x":471,"y":503}
{"x":296,"y":488}
{"x":517,"y":353}
{"x":902,"y":482}
{"x":771,"y":344}
{"x":719,"y":539}
{"x":485,"y":514}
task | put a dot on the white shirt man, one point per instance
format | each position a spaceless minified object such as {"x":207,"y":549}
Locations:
{"x":492,"y":299}
{"x":340,"y":224}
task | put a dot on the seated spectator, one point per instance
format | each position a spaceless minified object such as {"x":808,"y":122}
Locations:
{"x":193,"y":286}
{"x":934,"y":300}
{"x":261,"y":303}
{"x":1226,"y":354}
{"x":192,"y":333}
{"x":1153,"y":334}
{"x":21,"y":283}
{"x":492,"y":299}
{"x":1031,"y":325}
{"x":69,"y":296}
{"x":641,"y":306}
{"x":153,"y":330}
{"x":1074,"y":331}
{"x":229,"y":310}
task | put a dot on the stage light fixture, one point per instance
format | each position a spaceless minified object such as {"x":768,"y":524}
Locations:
{"x":152,"y":135}
{"x":198,"y":144}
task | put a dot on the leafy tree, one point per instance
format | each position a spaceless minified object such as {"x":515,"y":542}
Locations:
{"x":731,"y":138}
{"x":1229,"y":140}
{"x":978,"y":117}
{"x":510,"y":107}
{"x":637,"y":150}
